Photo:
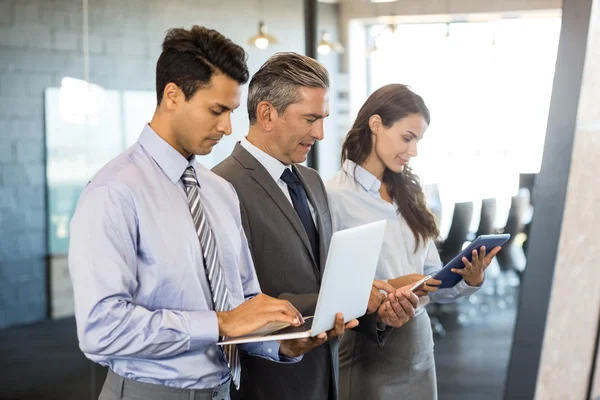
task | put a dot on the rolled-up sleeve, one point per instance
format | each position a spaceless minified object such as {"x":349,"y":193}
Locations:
{"x":103,"y":267}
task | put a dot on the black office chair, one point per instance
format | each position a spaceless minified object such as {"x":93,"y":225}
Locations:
{"x":512,"y":256}
{"x":512,"y":259}
{"x":449,"y":248}
{"x":484,"y":300}
{"x":527,"y":181}
{"x":488,"y":217}
{"x":459,"y":230}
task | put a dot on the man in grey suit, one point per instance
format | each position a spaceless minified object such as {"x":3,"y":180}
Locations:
{"x":286,"y":218}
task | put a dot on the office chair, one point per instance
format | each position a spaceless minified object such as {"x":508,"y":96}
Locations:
{"x":512,"y":259}
{"x":459,"y":230}
{"x":449,"y":248}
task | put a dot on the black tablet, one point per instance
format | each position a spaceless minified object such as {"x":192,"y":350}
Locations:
{"x":449,"y":278}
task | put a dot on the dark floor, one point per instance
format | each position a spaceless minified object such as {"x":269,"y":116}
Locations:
{"x":42,"y":361}
{"x":472,"y":360}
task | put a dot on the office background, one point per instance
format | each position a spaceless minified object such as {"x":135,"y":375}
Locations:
{"x":508,"y":89}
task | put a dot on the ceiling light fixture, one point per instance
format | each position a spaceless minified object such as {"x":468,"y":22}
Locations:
{"x":262,"y":39}
{"x":326,"y":45}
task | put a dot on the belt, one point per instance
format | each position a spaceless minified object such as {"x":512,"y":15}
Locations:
{"x":123,"y":387}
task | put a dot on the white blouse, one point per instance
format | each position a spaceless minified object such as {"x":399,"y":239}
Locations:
{"x":354,"y":200}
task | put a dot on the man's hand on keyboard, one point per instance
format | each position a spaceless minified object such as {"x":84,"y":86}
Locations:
{"x":297,"y":347}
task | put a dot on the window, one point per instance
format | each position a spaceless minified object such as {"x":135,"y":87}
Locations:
{"x":488,"y":87}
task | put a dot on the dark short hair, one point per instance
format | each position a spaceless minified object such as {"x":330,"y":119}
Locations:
{"x":279,"y":79}
{"x":190,"y":58}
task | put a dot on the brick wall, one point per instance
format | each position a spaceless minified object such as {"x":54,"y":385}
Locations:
{"x":40,"y":43}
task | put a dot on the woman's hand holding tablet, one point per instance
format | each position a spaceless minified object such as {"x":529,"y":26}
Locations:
{"x":471,"y":262}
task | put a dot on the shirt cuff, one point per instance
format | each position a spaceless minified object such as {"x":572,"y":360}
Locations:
{"x":465,"y":289}
{"x":268,"y":350}
{"x":204,"y":329}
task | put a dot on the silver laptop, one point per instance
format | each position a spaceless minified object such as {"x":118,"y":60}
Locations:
{"x":346,"y":285}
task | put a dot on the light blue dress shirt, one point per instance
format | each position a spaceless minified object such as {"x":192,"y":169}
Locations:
{"x":354,"y":200}
{"x":142,"y":299}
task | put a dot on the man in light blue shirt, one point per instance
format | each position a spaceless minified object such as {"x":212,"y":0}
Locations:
{"x":158,"y":257}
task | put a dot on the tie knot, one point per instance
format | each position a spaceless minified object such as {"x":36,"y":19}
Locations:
{"x":188,"y":178}
{"x":289,"y":177}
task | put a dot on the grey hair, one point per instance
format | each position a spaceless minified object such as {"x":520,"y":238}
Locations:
{"x":279,"y":79}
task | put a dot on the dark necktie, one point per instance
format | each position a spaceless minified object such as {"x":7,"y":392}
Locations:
{"x":300,"y":202}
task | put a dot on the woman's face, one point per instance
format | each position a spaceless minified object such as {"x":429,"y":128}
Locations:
{"x":396,"y":145}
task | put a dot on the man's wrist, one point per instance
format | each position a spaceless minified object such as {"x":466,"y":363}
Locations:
{"x":222,"y":320}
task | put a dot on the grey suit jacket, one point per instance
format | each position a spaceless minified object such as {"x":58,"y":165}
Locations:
{"x":286,"y":269}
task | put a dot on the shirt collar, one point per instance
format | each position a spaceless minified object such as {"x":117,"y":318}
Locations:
{"x":364,"y":178}
{"x":167,"y":158}
{"x":273,"y":166}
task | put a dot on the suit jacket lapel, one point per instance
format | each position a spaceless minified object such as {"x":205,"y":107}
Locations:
{"x":262,"y":177}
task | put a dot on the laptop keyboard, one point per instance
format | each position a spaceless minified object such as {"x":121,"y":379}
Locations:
{"x":295,"y":329}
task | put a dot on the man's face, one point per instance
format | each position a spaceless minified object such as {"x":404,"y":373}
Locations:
{"x":299,"y":127}
{"x":200,"y":122}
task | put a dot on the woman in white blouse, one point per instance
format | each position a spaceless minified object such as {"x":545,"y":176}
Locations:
{"x":377,"y":183}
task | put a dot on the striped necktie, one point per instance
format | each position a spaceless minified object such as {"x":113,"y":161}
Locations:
{"x":220,"y":293}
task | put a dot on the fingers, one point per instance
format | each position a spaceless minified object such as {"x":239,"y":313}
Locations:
{"x":338,"y":329}
{"x":296,"y":313}
{"x":281,"y":317}
{"x":376,"y":297}
{"x":388,"y":316}
{"x":391,"y":313}
{"x":467,"y":267}
{"x":416,"y":277}
{"x":405,"y":295}
{"x":375,"y":300}
{"x":382,"y":285}
{"x":284,"y":311}
{"x":475,"y":257}
{"x":292,"y":311}
{"x":352,"y":324}
{"x":319,"y":339}
{"x":429,"y":289}
{"x":372,"y":306}
{"x":433,"y":282}
{"x":405,"y":307}
{"x":297,"y":347}
{"x":492,"y":254}
{"x":400,"y":314}
{"x":482,"y":252}
{"x":477,"y":261}
{"x":381,"y":313}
